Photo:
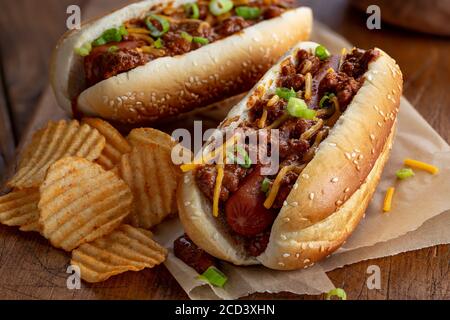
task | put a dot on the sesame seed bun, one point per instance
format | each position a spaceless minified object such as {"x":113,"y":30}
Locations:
{"x":333,"y":191}
{"x":170,"y":86}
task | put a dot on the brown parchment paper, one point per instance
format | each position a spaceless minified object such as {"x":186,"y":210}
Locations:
{"x":418,"y":218}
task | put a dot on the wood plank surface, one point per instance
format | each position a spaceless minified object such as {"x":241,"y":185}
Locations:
{"x":29,"y":31}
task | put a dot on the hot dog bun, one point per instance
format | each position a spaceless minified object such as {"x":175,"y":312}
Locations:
{"x":333,"y":190}
{"x":173,"y":85}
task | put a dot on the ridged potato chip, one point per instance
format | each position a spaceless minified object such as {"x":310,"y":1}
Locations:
{"x":152,"y":177}
{"x":125,"y":249}
{"x":20,"y":209}
{"x":80,"y":202}
{"x":58,"y":140}
{"x":116,"y":144}
{"x":149,"y":135}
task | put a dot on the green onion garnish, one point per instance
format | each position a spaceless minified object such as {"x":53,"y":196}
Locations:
{"x":297,"y":108}
{"x":326,"y":100}
{"x":404,"y":173}
{"x":192,"y":10}
{"x":322,"y":53}
{"x":154,"y":31}
{"x":84,"y":50}
{"x":186,"y":36}
{"x":285,"y":93}
{"x":265,"y":185}
{"x":247,"y":161}
{"x":110,"y":35}
{"x":338,"y":292}
{"x":214,"y":276}
{"x":248,"y":13}
{"x":158,"y":44}
{"x":200,"y":40}
{"x":113,"y":49}
{"x":218,"y":7}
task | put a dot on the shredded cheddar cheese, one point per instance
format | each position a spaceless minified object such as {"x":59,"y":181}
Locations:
{"x":276,"y":184}
{"x":421,"y":165}
{"x":262,"y":121}
{"x":217,"y":188}
{"x":138,"y":30}
{"x":388,"y":199}
{"x":278,"y":122}
{"x":308,"y":86}
{"x":211,"y":155}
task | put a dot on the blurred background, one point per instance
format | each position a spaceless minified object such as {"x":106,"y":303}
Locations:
{"x":415,"y":32}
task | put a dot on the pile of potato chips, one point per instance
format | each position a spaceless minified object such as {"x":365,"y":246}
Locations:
{"x":92,"y":192}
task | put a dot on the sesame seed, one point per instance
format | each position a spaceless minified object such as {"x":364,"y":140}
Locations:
{"x":353,"y":154}
{"x":355,"y":162}
{"x":281,"y":264}
{"x":357,"y":150}
{"x":389,"y":96}
{"x":294,"y":204}
{"x":305,"y":176}
{"x":305,"y":267}
{"x":369,"y":77}
{"x":306,"y":261}
{"x":287,"y":219}
{"x":321,"y":249}
{"x":347,"y":190}
{"x":332,"y":144}
{"x":381,"y":113}
{"x":358,"y":168}
{"x":295,"y":187}
{"x":372,"y":136}
{"x":286,"y":255}
{"x":311,"y":245}
{"x":373,"y":151}
{"x":283,"y":237}
{"x":348,"y":155}
{"x":311,"y":196}
{"x":339,"y":202}
{"x":285,"y":203}
{"x":379,"y":124}
{"x":334,"y":180}
{"x":376,"y":108}
{"x":304,"y":246}
{"x":360,"y":157}
{"x":297,"y":255}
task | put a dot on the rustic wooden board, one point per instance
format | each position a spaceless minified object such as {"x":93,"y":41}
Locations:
{"x":31,"y":269}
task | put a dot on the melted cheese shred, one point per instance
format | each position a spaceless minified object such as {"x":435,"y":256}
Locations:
{"x":387,"y":205}
{"x":217,"y":189}
{"x":277,"y":183}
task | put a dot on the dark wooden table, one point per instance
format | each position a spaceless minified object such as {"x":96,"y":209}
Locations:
{"x":31,"y":28}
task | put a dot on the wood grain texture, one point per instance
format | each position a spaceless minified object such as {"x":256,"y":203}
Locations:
{"x":31,"y":269}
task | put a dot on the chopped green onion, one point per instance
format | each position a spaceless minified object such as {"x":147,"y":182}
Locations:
{"x":192,"y":10}
{"x":218,"y":7}
{"x":158,"y":44}
{"x":247,"y":161}
{"x":99,"y":42}
{"x":286,"y":93}
{"x":84,"y":50}
{"x":123,"y":31}
{"x":200,"y":40}
{"x":248,"y":13}
{"x":322,"y":53}
{"x":326,"y":100}
{"x":404,"y":173}
{"x":297,"y":108}
{"x":154,"y":31}
{"x":265,"y":185}
{"x":110,"y":35}
{"x":113,"y":49}
{"x":186,"y":36}
{"x":338,"y":292}
{"x":214,"y":276}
